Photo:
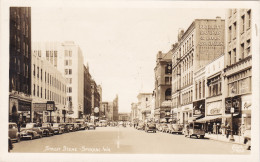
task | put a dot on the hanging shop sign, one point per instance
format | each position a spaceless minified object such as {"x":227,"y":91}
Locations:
{"x":50,"y":106}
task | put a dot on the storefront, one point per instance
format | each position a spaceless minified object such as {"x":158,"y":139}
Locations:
{"x":19,"y":108}
{"x":186,"y":113}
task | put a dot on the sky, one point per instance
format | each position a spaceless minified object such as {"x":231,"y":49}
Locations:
{"x":119,"y":44}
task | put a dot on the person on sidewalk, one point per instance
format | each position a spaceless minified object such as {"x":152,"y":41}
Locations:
{"x":214,"y":128}
{"x":223,"y":129}
{"x":228,"y":130}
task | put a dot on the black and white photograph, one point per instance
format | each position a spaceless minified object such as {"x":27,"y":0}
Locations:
{"x":129,"y":80}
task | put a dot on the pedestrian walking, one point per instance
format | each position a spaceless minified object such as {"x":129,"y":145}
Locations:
{"x":214,"y":128}
{"x":228,"y":130}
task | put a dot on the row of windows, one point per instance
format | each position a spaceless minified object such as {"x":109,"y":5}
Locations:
{"x":68,"y":71}
{"x":48,"y":78}
{"x":68,"y":53}
{"x":245,"y":23}
{"x":168,"y":80}
{"x":200,"y":90}
{"x":67,"y":62}
{"x":233,"y":56}
{"x":24,"y":70}
{"x":187,"y":98}
{"x":24,"y":48}
{"x":51,"y":53}
{"x":48,"y":95}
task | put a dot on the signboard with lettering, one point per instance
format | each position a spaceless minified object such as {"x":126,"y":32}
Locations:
{"x":24,"y":105}
{"x":234,"y":102}
{"x":214,"y":108}
{"x":50,"y":106}
{"x":39,"y":107}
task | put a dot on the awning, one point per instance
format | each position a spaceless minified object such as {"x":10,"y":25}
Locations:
{"x":208,"y":118}
{"x":191,"y":119}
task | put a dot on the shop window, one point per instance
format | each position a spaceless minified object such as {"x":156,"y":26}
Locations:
{"x":168,"y":93}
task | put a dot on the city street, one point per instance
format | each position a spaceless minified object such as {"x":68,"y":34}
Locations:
{"x":126,"y":140}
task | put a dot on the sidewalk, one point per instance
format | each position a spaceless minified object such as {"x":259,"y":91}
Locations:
{"x":220,"y":137}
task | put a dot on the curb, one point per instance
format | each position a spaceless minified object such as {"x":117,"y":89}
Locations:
{"x":225,"y":141}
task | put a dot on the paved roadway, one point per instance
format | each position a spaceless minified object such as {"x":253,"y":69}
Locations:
{"x":126,"y":140}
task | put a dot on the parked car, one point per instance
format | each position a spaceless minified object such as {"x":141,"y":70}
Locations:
{"x":10,"y":144}
{"x":31,"y":131}
{"x":47,"y":129}
{"x":76,"y":126}
{"x":140,"y":126}
{"x":58,"y":128}
{"x":194,"y":129}
{"x":70,"y":127}
{"x":247,"y":138}
{"x":164,"y":127}
{"x":169,"y":128}
{"x":91,"y":126}
{"x":150,"y":127}
{"x":13,"y":133}
{"x":66,"y":128}
{"x":82,"y":125}
{"x":177,"y":128}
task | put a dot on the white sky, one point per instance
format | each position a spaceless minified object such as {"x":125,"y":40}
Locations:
{"x":120,"y":44}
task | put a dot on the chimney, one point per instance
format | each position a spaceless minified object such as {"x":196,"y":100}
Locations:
{"x":159,"y":55}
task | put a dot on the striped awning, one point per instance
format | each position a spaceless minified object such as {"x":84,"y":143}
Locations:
{"x":208,"y":118}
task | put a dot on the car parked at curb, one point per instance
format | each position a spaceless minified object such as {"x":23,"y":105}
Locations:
{"x":13,"y":132}
{"x":91,"y":126}
{"x":177,"y":128}
{"x":150,"y":127}
{"x":47,"y":129}
{"x":31,"y":131}
{"x":58,"y":128}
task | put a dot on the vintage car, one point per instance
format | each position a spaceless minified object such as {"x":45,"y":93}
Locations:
{"x":164,"y":127}
{"x":140,"y":126}
{"x":82,"y":125}
{"x":58,"y":128}
{"x":31,"y":131}
{"x":150,"y":127}
{"x":47,"y":129}
{"x":13,"y":132}
{"x":247,"y":138}
{"x":76,"y":126}
{"x":194,"y":129}
{"x":177,"y":128}
{"x":91,"y":126}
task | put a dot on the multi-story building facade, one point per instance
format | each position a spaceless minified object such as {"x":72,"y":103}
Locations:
{"x":20,"y":65}
{"x":115,"y":109}
{"x":67,"y":58}
{"x":99,"y":89}
{"x":123,"y":117}
{"x":104,"y":110}
{"x":109,"y":112}
{"x":163,"y":82}
{"x":134,"y":113}
{"x":48,"y":84}
{"x":144,"y":106}
{"x":214,"y":102}
{"x":87,"y":92}
{"x":201,"y":43}
{"x":238,"y":66}
{"x":95,"y":98}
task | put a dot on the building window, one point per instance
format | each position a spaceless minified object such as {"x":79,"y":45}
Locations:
{"x":242,"y":50}
{"x":66,"y":71}
{"x":235,"y":30}
{"x":45,"y":94}
{"x":242,"y":24}
{"x":229,"y":33}
{"x":55,"y":53}
{"x":41,"y":92}
{"x":249,"y":18}
{"x":66,"y":53}
{"x":248,"y":47}
{"x":34,"y":89}
{"x":168,"y":80}
{"x":37,"y":72}
{"x":37,"y":91}
{"x":203,"y":87}
{"x":70,"y":62}
{"x":196,"y":91}
{"x":146,"y":99}
{"x":47,"y":54}
{"x":230,"y":58}
{"x":199,"y":90}
{"x":41,"y":74}
{"x":70,"y":53}
{"x":70,"y":71}
{"x":168,"y":94}
{"x":235,"y":55}
{"x":33,"y":69}
{"x":66,"y":62}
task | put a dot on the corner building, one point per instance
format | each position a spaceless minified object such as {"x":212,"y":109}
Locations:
{"x":201,"y":43}
{"x":238,"y":67}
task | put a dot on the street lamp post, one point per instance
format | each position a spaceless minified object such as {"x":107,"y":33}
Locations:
{"x":64,"y":114}
{"x":232,"y":110}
